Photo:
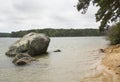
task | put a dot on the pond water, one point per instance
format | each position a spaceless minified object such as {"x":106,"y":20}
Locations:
{"x":78,"y":58}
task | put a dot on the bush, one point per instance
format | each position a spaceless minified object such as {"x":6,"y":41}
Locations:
{"x":114,"y":34}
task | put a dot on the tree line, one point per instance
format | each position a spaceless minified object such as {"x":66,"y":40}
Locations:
{"x":5,"y":34}
{"x":56,"y":32}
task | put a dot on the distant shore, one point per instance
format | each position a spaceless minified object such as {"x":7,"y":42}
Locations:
{"x":56,"y":32}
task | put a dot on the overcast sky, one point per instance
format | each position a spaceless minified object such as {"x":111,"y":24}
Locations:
{"x":18,"y":15}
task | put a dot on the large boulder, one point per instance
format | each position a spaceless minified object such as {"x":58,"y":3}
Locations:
{"x":32,"y":43}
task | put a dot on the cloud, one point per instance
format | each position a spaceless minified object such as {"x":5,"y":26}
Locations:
{"x":35,"y":14}
{"x":28,"y":6}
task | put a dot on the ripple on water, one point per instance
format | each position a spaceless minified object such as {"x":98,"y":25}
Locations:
{"x":76,"y":60}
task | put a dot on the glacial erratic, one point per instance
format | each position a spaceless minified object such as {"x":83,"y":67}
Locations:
{"x":32,"y":44}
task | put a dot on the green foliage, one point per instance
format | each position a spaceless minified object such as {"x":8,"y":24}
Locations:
{"x":60,"y":32}
{"x":109,"y":10}
{"x":114,"y":34}
{"x":4,"y":34}
{"x":56,"y":32}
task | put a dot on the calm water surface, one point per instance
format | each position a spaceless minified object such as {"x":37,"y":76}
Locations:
{"x":77,"y":60}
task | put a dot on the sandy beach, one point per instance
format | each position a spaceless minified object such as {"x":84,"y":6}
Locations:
{"x":108,"y":68}
{"x":112,"y":61}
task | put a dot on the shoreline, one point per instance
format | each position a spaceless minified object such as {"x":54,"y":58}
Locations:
{"x":111,"y":61}
{"x":108,"y":67}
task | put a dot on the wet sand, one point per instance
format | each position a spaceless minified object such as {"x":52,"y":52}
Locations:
{"x":103,"y":74}
{"x":108,"y":68}
{"x":112,"y":61}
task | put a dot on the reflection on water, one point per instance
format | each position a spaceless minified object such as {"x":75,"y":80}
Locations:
{"x":78,"y":58}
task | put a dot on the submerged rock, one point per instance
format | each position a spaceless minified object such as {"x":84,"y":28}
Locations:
{"x":102,"y":50}
{"x":21,"y":62}
{"x":57,"y":50}
{"x":22,"y":59}
{"x":32,"y":43}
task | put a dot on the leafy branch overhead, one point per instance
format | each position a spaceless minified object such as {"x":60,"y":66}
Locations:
{"x":109,"y":10}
